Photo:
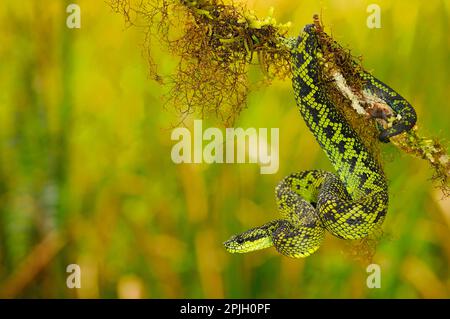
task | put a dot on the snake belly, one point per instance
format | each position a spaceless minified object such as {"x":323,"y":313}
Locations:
{"x":349,"y":204}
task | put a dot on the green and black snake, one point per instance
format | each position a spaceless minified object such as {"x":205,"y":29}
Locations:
{"x":349,"y":204}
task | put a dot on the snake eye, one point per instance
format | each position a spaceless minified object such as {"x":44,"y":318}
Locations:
{"x":240,"y":240}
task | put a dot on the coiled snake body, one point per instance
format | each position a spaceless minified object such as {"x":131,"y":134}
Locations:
{"x":349,"y":204}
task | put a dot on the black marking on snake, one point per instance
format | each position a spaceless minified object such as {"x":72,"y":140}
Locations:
{"x":341,"y":147}
{"x":363,"y":178}
{"x":329,"y":131}
{"x":379,"y":215}
{"x":352,"y":161}
{"x":329,"y":216}
{"x":315,"y":115}
{"x":304,"y":89}
{"x":355,"y":220}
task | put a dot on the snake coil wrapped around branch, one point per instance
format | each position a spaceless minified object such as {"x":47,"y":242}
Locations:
{"x":217,"y":42}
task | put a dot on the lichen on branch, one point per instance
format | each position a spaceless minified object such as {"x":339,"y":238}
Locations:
{"x":215,"y":42}
{"x":431,"y":150}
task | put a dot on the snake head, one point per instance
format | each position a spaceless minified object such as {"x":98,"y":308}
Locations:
{"x":251,"y":240}
{"x":243,"y":244}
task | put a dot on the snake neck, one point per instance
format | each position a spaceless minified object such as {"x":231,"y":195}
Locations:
{"x":354,"y":163}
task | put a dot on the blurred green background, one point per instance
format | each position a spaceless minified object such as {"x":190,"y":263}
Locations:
{"x":86,"y":175}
